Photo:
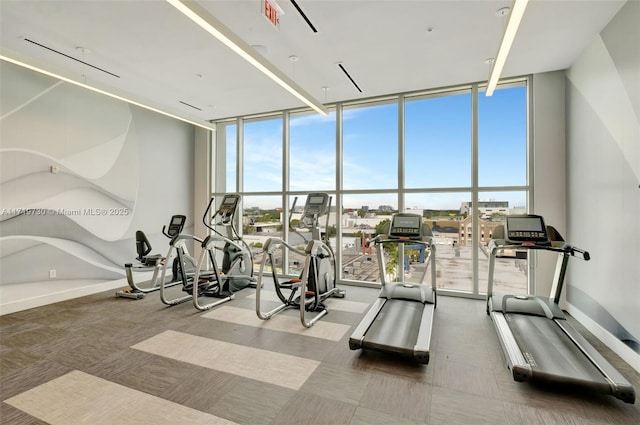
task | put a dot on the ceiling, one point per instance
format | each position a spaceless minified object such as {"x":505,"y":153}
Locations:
{"x":147,"y":51}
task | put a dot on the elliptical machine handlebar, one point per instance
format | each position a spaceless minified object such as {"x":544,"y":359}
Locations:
{"x":206,"y":213}
{"x":227,"y":212}
{"x":317,"y":204}
{"x":326,"y":224}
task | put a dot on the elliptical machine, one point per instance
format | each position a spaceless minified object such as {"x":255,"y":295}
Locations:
{"x":148,"y":262}
{"x":237,"y":263}
{"x":317,"y":281}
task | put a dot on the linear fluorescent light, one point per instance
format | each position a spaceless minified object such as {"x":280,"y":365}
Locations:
{"x":517,"y":11}
{"x":217,"y":29}
{"x":97,"y":90}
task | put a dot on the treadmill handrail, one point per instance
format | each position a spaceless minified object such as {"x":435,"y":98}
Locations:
{"x":426,"y":243}
{"x":562,"y":247}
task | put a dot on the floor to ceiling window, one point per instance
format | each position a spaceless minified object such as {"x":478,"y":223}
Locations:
{"x":312,"y":152}
{"x":437,"y":176}
{"x":502,"y":179}
{"x":456,"y":157}
{"x":370,"y":146}
{"x":369,"y":162}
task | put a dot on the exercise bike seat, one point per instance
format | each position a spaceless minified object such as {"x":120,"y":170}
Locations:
{"x":143,"y":248}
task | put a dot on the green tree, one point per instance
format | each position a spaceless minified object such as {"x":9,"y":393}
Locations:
{"x":361,"y":213}
{"x":381,"y":227}
{"x":413,"y":254}
{"x":391,"y":249}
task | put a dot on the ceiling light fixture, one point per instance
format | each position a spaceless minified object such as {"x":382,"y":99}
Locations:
{"x":97,"y":90}
{"x":515,"y":17}
{"x":214,"y":27}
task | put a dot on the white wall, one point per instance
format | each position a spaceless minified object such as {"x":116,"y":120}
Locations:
{"x":549,"y":167}
{"x":201,"y":183}
{"x":603,"y":134}
{"x":120,"y":168}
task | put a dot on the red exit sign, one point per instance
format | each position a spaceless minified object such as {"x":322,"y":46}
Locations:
{"x":272,"y":12}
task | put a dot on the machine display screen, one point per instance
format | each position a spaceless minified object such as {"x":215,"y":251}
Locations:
{"x":525,"y":223}
{"x":406,"y":226}
{"x":316,"y":200}
{"x":528,"y":228}
{"x":406,"y":221}
{"x":175,"y":225}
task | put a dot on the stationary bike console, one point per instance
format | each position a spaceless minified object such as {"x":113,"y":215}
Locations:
{"x":175,"y":226}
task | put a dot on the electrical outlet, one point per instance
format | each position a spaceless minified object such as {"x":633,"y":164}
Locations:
{"x":52,"y":274}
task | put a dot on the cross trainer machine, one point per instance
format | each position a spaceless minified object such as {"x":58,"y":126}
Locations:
{"x":401,"y":319}
{"x":317,"y":281}
{"x":198,"y":281}
{"x":185,"y":270}
{"x":539,"y":344}
{"x":237,"y":264}
{"x":184,"y":265}
{"x":148,"y":262}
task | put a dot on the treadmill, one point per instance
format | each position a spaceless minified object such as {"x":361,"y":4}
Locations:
{"x":539,"y":344}
{"x":400,"y":320}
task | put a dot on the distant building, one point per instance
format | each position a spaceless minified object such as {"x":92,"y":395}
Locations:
{"x":486,"y":208}
{"x":486,"y":230}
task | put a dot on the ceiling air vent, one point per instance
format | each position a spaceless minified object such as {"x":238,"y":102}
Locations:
{"x":304,"y":16}
{"x":190,"y":106}
{"x":349,"y":76}
{"x":71,"y":57}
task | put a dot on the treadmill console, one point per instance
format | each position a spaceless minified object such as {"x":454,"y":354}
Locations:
{"x":228,"y":207}
{"x":526,"y":229}
{"x":316,"y":205}
{"x":406,"y":226}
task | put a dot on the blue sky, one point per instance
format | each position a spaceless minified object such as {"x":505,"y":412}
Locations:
{"x":437,"y":150}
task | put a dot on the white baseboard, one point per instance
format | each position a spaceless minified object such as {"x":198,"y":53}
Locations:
{"x":23,"y":296}
{"x":617,"y":346}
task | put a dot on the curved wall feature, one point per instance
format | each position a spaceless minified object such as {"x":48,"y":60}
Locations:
{"x":80,"y":260}
{"x":603,"y":144}
{"x":74,"y":184}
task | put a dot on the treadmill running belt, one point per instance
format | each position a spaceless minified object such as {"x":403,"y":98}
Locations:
{"x":552,"y":355}
{"x":395,"y":328}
